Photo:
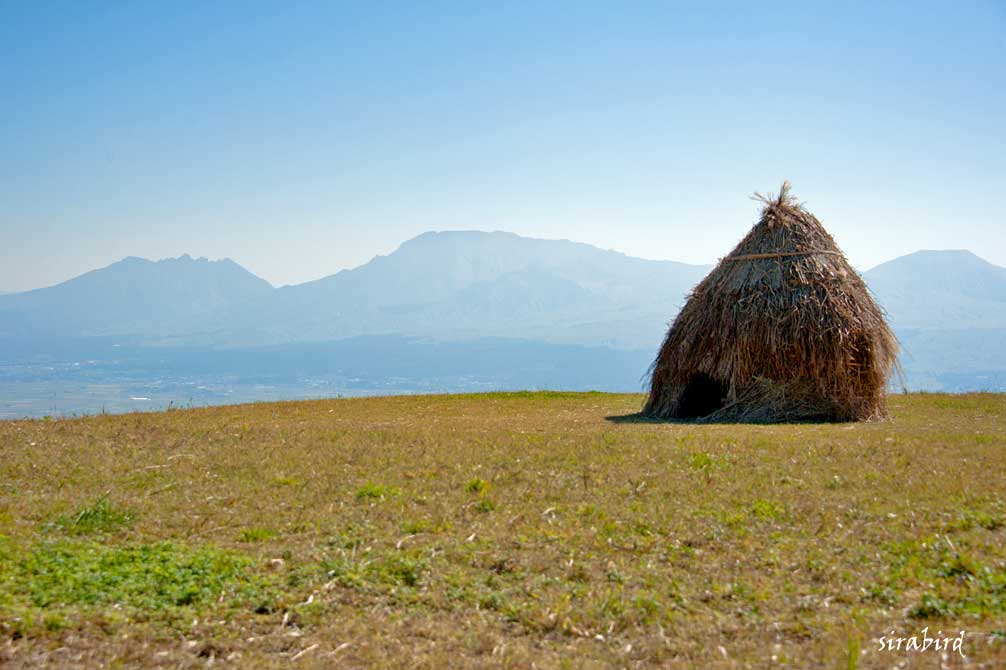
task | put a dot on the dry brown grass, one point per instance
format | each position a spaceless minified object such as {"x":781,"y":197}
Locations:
{"x":510,"y":530}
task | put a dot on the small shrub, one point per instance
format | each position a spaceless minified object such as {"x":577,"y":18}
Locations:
{"x":416,"y":527}
{"x":477,"y":485}
{"x":969,"y":519}
{"x":401,"y":570}
{"x":100,"y":517}
{"x":347,"y":570}
{"x":257,"y":535}
{"x":372,"y":491}
{"x":931,"y":606}
{"x":767,"y":510}
{"x":648,"y":607}
{"x":493,"y":600}
{"x":700,"y":460}
{"x":882,"y":594}
{"x":310,"y":614}
{"x":350,"y":537}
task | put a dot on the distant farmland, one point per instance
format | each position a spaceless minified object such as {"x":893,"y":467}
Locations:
{"x":545,"y":530}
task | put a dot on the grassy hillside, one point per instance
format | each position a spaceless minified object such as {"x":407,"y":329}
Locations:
{"x":512,"y":530}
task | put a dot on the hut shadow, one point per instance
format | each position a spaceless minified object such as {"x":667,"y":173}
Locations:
{"x":638,"y":418}
{"x":642,"y":418}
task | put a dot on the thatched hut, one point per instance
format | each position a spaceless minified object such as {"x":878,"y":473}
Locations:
{"x":783,"y":329}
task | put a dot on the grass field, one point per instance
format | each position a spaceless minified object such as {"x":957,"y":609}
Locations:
{"x":503,"y":530}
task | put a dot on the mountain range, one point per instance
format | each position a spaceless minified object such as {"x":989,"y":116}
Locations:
{"x":947,"y":307}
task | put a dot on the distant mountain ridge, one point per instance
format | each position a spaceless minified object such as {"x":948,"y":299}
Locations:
{"x":947,"y":307}
{"x":134,"y":296}
{"x":470,"y":284}
{"x":952,"y":289}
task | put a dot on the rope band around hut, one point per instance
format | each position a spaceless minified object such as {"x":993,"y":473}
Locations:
{"x":781,"y":254}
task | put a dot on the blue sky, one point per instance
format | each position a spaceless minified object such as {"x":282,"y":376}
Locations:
{"x":302,"y":138}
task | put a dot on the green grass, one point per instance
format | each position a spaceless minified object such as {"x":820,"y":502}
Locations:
{"x":477,"y":486}
{"x":498,"y":530}
{"x":375,"y":492}
{"x":97,"y":518}
{"x":68,"y":581}
{"x":257,"y":534}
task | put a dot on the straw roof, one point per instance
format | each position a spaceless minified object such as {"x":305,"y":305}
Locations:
{"x":782,"y":329}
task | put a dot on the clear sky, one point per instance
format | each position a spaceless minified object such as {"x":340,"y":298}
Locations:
{"x":302,"y":138}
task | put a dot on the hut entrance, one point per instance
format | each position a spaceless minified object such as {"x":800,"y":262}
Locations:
{"x":702,"y":396}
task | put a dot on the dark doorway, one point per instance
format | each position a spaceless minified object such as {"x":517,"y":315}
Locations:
{"x":702,"y":396}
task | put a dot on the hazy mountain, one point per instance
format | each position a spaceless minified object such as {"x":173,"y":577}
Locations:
{"x":941,"y":290}
{"x":468,"y":284}
{"x":133,"y":296}
{"x":948,"y":308}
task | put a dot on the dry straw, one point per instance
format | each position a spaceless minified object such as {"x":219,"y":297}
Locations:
{"x":783,"y":329}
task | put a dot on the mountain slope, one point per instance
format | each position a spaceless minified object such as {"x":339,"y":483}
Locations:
{"x":948,"y":309}
{"x":951,"y":290}
{"x":469,"y":283}
{"x":132,"y":297}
